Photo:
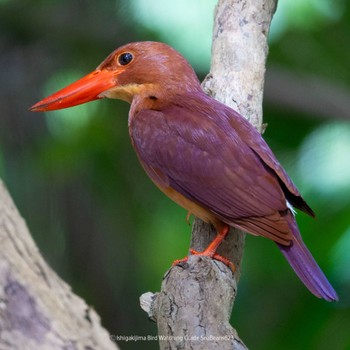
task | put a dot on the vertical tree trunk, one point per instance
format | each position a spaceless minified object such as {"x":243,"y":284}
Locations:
{"x":37,"y":309}
{"x":192,"y":310}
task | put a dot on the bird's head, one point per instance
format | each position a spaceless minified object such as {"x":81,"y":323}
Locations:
{"x":141,"y":68}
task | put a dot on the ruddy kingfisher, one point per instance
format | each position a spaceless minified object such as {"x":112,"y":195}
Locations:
{"x":202,"y":154}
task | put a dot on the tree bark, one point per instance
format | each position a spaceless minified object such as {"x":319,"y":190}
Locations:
{"x":193,"y":308}
{"x":37,"y":309}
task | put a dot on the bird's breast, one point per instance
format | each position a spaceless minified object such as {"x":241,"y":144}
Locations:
{"x":192,"y":207}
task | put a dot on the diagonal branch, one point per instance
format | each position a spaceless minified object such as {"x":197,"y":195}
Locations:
{"x":37,"y":309}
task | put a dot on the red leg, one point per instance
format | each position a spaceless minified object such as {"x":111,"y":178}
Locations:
{"x":213,"y":246}
{"x":211,"y":249}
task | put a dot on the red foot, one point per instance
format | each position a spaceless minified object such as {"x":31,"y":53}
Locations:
{"x":211,"y":249}
{"x":179,"y":261}
{"x":216,"y":256}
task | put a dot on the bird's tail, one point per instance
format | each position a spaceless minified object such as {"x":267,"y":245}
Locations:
{"x":305,"y":265}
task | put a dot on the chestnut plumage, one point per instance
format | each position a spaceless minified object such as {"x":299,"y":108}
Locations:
{"x":201,"y":153}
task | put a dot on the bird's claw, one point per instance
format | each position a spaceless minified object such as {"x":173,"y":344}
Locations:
{"x":214,"y":255}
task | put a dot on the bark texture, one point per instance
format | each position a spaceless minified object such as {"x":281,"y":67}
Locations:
{"x":37,"y":309}
{"x":193,"y":308}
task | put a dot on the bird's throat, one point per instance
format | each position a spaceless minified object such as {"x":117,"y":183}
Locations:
{"x":127,"y":92}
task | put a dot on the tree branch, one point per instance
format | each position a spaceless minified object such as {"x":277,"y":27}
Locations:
{"x":325,"y":99}
{"x":37,"y":309}
{"x":192,"y":310}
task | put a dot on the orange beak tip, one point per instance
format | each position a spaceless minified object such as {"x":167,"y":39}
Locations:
{"x":36,"y":108}
{"x":86,"y":89}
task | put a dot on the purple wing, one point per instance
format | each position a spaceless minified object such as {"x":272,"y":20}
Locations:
{"x":258,"y":145}
{"x":196,"y":151}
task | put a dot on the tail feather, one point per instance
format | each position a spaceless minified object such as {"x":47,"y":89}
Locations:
{"x":305,"y":265}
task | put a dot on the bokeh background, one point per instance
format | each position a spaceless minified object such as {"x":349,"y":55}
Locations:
{"x":97,"y":218}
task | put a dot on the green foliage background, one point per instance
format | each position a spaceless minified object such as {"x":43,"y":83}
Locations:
{"x":96,"y":217}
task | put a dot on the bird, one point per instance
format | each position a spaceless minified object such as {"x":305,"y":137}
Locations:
{"x":199,"y":152}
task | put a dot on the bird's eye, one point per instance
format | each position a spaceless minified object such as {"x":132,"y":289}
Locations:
{"x":125,"y":58}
